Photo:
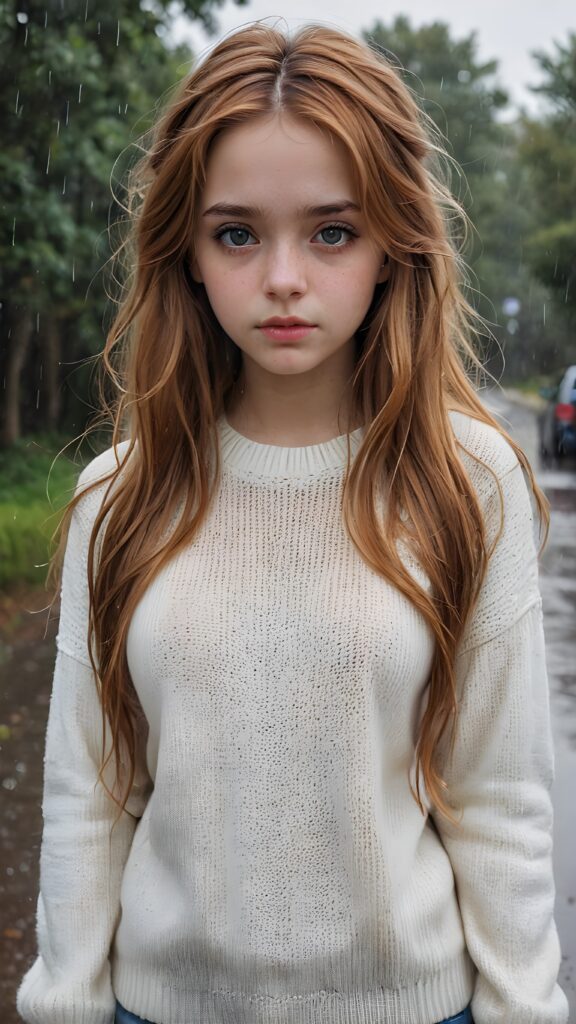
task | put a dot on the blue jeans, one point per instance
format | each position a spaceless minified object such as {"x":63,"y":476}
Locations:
{"x":125,"y":1017}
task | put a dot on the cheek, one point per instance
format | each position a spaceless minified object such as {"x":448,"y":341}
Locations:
{"x":353,"y":290}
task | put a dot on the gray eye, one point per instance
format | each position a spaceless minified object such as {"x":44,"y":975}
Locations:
{"x":238,"y":236}
{"x":332,"y":234}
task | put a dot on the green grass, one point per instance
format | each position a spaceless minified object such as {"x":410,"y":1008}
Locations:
{"x":531,"y":385}
{"x":32,"y":494}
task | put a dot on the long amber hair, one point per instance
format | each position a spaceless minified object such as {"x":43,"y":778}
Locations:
{"x":174,"y":371}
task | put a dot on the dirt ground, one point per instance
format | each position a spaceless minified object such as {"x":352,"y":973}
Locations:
{"x":26,"y":663}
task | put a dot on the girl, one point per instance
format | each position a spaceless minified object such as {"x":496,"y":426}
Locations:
{"x":298,"y":756}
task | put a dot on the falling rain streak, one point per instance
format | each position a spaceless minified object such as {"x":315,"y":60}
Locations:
{"x":17,"y":98}
{"x":118,"y":34}
{"x":80,"y":93}
{"x":13,"y":230}
{"x":48,"y":160}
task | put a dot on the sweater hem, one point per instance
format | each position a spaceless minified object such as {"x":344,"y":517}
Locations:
{"x":425,"y":1002}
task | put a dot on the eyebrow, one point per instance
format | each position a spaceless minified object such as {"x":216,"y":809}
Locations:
{"x":233,"y":210}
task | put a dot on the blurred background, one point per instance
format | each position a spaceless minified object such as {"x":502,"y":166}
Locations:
{"x":80,"y":82}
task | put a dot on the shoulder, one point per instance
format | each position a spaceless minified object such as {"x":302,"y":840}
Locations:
{"x":99,"y":470}
{"x":482,"y":447}
{"x":496,"y":474}
{"x":103,"y":464}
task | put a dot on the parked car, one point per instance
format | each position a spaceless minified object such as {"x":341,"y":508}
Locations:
{"x":557,"y":424}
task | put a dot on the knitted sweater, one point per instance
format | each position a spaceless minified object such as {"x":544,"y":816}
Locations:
{"x":272,"y":866}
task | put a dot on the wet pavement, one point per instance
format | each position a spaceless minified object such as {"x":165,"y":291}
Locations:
{"x":558,"y":589}
{"x":26,"y":665}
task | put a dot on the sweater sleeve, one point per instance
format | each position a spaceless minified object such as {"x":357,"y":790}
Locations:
{"x":81,"y":863}
{"x":500,"y":776}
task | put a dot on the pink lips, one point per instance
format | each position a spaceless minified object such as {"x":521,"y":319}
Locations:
{"x":291,"y":333}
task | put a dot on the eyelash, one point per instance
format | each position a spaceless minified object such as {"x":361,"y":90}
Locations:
{"x":241,"y":227}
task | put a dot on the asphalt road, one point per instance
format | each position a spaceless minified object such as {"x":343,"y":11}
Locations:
{"x":25,"y":681}
{"x":558,"y":588}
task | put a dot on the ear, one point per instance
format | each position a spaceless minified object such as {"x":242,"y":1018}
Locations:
{"x":384,"y":272}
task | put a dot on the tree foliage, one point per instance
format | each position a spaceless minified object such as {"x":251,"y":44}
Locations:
{"x":547,"y":149}
{"x":462,"y":96}
{"x":82,"y":80}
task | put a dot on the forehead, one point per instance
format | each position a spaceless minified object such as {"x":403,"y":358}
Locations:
{"x":277,"y":161}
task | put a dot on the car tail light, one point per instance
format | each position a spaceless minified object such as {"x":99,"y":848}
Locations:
{"x":565,"y":413}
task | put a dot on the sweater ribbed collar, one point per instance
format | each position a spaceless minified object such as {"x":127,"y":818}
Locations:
{"x":245,"y":456}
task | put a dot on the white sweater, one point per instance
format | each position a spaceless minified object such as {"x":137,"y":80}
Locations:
{"x":273,"y":867}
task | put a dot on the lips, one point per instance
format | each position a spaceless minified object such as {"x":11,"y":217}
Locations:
{"x":288,"y":321}
{"x":290,"y":332}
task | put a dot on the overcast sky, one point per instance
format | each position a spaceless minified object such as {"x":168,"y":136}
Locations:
{"x":506,"y":31}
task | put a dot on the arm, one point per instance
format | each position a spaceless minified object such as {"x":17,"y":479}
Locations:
{"x":500,"y":776}
{"x":81,"y":866}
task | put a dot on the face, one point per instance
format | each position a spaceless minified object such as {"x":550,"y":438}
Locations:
{"x":274,"y":253}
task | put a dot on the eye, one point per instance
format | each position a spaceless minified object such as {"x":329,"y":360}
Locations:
{"x":238,"y":236}
{"x":333,"y":235}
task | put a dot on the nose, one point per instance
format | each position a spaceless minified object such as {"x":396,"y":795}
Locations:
{"x":285,"y":272}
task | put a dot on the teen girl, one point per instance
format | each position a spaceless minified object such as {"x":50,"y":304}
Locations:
{"x":300,"y":595}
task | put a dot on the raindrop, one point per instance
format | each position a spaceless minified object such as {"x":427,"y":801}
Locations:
{"x":464,"y":75}
{"x":38,"y":399}
{"x":9,"y":783}
{"x":64,"y":186}
{"x":118,"y":34}
{"x":13,"y":230}
{"x":442,"y":82}
{"x":50,"y":77}
{"x":57,"y":127}
{"x":41,"y":374}
{"x":45,"y":19}
{"x":10,"y":871}
{"x":48,"y":160}
{"x":24,"y":867}
{"x":86,"y":11}
{"x":17,"y":98}
{"x":37,"y":322}
{"x":125,"y":108}
{"x":26,"y":36}
{"x":22,"y":17}
{"x":98,"y":23}
{"x":21,"y":767}
{"x":73,"y":270}
{"x":544,"y":314}
{"x":67,"y":110}
{"x":91,"y":205}
{"x":80,"y":93}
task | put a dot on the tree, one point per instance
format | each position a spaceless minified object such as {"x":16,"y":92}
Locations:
{"x":460,"y":95}
{"x":548,"y":154}
{"x":82,"y":79}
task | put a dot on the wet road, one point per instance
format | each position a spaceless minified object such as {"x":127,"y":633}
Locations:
{"x":25,"y":681}
{"x":558,"y":588}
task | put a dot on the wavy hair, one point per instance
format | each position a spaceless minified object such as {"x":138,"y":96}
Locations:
{"x":173,"y":370}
